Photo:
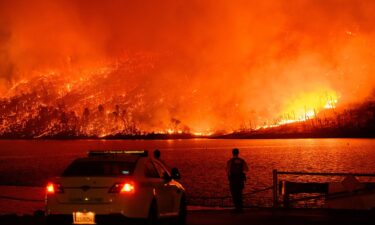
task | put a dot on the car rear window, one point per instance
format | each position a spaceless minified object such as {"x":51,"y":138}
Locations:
{"x":99,"y":168}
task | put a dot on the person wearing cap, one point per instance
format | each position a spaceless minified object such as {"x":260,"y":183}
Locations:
{"x":236,"y":171}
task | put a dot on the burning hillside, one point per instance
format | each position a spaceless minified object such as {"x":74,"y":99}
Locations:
{"x":99,"y":102}
{"x":94,"y":69}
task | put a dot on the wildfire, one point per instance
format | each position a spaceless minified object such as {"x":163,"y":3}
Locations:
{"x":50,"y":105}
{"x":307,"y":106}
{"x":98,"y":69}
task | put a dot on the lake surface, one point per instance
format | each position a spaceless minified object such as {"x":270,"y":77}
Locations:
{"x":201,"y":161}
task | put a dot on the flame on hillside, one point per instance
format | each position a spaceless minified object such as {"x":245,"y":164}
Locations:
{"x":308,"y":105}
{"x":50,"y":105}
{"x":304,"y":107}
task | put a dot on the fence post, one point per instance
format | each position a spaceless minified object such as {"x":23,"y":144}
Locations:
{"x":274,"y":192}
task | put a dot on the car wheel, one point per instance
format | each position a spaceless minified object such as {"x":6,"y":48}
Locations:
{"x":152,"y":218}
{"x":182,"y":213}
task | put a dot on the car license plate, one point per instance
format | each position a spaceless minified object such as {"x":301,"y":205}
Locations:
{"x":83,"y":218}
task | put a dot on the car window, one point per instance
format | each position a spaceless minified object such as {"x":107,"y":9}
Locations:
{"x":99,"y":168}
{"x":150,"y":171}
{"x":160,"y":168}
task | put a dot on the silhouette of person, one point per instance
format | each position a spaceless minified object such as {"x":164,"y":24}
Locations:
{"x":236,"y":170}
{"x":157,"y":154}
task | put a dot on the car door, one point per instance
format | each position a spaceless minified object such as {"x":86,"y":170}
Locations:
{"x":170,"y":190}
{"x":155,"y":179}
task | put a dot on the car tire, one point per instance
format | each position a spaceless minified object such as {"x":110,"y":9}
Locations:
{"x":182,"y":213}
{"x":152,"y":218}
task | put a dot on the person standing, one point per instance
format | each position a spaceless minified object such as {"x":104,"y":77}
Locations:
{"x":157,"y":154}
{"x":236,"y":171}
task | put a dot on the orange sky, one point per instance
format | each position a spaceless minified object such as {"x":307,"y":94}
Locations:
{"x":212,"y":64}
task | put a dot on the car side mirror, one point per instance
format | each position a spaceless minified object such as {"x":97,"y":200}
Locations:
{"x":175,"y":174}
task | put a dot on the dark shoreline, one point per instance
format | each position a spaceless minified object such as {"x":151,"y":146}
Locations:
{"x":244,"y":135}
{"x":293,"y":136}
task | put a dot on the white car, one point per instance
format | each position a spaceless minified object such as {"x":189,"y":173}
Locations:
{"x":115,"y":185}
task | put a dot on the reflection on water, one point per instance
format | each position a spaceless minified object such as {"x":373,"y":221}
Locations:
{"x":201,"y":161}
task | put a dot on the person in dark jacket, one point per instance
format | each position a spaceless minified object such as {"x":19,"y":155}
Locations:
{"x":236,"y":171}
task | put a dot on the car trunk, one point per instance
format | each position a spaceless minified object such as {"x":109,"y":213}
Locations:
{"x":87,"y":190}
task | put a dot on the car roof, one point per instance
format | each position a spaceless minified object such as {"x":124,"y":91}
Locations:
{"x":115,"y":155}
{"x":120,"y":158}
{"x":143,"y":153}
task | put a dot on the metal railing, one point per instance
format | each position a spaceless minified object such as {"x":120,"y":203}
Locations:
{"x":275,"y":181}
{"x":218,"y":201}
{"x":20,"y":199}
{"x":222,"y":201}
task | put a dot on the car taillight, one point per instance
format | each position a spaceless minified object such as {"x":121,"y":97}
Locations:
{"x":126,"y":188}
{"x":53,"y":188}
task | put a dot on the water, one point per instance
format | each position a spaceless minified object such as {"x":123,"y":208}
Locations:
{"x":201,"y":161}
